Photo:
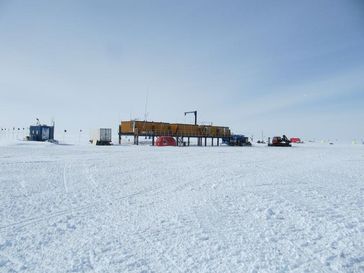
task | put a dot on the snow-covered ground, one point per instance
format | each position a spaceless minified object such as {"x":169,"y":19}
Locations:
{"x":193,"y":209}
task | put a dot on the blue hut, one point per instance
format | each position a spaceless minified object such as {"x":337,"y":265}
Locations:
{"x":41,"y":132}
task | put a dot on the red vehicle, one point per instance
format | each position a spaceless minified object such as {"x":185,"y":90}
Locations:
{"x":296,"y":140}
{"x":165,"y":141}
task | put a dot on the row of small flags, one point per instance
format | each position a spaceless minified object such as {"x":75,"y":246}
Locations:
{"x":5,"y":129}
{"x":19,"y":129}
{"x":65,"y":131}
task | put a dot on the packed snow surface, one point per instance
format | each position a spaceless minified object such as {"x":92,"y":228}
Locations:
{"x":72,"y":208}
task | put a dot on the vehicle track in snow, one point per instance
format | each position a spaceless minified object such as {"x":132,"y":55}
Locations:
{"x":36,"y":220}
{"x":65,"y":178}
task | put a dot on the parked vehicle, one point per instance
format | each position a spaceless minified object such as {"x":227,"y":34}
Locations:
{"x":279,"y":142}
{"x":237,"y":140}
{"x":101,"y":136}
{"x":296,"y":140}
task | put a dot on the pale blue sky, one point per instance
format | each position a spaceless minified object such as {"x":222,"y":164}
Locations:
{"x":294,"y":67}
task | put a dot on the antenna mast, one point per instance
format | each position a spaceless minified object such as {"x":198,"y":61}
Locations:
{"x":146,"y":107}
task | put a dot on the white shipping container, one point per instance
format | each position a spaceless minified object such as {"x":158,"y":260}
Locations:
{"x":101,"y":135}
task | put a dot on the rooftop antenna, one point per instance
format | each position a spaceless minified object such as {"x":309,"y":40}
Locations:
{"x":146,"y":107}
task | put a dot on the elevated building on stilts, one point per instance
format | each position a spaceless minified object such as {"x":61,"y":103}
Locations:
{"x":183,"y":133}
